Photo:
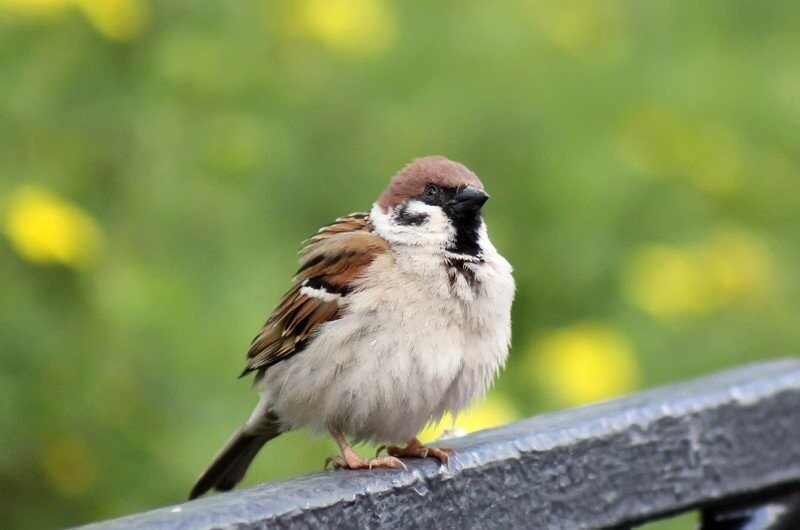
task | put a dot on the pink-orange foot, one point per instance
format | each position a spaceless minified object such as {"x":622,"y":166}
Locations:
{"x":415,"y":449}
{"x":350,"y":460}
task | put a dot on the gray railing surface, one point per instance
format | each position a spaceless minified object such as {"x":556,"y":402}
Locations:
{"x":728,"y":443}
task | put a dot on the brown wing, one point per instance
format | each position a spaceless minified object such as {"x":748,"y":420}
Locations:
{"x":354,"y":222}
{"x":330,"y":261}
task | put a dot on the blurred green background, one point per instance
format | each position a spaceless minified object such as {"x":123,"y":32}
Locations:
{"x":161,"y":161}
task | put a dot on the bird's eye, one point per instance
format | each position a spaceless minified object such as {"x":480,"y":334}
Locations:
{"x":431,"y":191}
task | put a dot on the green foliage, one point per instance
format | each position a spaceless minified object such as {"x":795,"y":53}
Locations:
{"x":161,"y":161}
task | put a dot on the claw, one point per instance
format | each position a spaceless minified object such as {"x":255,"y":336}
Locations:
{"x":356,"y":462}
{"x":351,"y":460}
{"x":336,"y":462}
{"x":415,"y":449}
{"x":386,"y":461}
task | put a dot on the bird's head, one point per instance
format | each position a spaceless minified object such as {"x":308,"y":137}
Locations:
{"x":433,"y":201}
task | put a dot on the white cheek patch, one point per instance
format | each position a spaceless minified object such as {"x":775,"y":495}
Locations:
{"x":432,"y":213}
{"x":414,"y":223}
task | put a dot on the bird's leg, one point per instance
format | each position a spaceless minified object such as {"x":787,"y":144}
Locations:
{"x":351,"y":460}
{"x":415,"y":449}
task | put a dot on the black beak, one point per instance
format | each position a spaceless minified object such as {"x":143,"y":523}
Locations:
{"x":468,"y":200}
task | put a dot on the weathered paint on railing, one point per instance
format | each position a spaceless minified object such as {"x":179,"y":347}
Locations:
{"x":615,"y":463}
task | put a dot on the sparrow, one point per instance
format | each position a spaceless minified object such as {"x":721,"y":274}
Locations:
{"x":395,"y":317}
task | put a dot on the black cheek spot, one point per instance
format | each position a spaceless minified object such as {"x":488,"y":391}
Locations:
{"x":406,"y":218}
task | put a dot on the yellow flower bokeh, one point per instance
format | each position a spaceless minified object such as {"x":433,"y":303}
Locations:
{"x":587,"y":29}
{"x":349,"y":27}
{"x":667,"y":281}
{"x":114,"y":19}
{"x":69,"y":466}
{"x":740,"y":266}
{"x":671,"y":281}
{"x":34,"y":7}
{"x":44,"y":228}
{"x":660,"y":142}
{"x":493,"y":411}
{"x":584,"y":363}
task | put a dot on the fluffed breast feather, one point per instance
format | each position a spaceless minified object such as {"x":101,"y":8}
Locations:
{"x":330,"y":262}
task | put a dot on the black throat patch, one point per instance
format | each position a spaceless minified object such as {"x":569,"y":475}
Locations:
{"x":466,"y":227}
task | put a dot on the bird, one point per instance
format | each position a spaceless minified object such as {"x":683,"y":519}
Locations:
{"x":396,"y":316}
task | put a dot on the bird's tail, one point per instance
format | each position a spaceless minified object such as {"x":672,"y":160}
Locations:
{"x":229,"y":466}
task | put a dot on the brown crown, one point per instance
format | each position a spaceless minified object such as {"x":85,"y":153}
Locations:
{"x":416,"y":176}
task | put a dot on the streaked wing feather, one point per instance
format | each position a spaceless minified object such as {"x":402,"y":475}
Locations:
{"x":330,"y":260}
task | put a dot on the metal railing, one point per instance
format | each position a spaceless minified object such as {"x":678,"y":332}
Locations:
{"x":728,"y":444}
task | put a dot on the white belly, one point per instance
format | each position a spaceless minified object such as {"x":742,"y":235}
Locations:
{"x":398,"y":360}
